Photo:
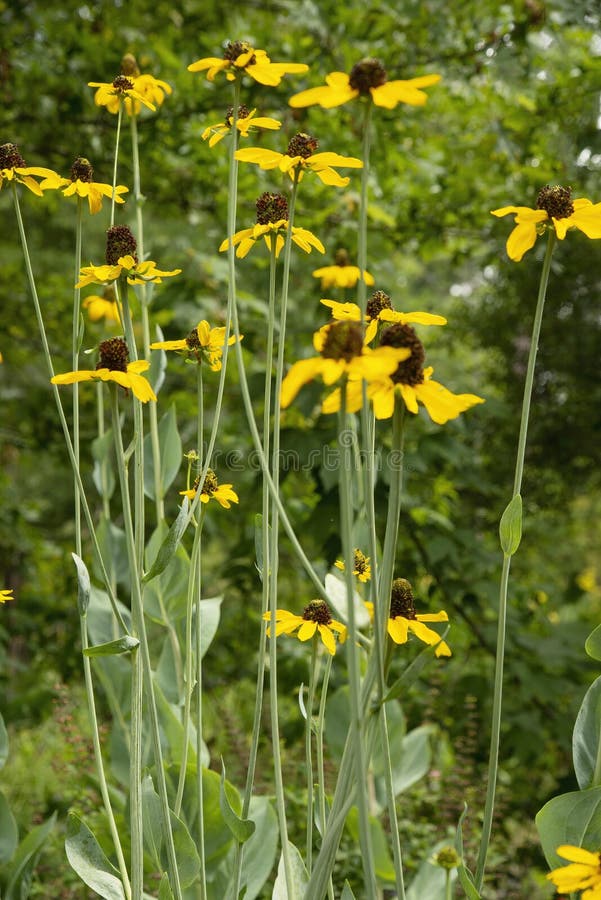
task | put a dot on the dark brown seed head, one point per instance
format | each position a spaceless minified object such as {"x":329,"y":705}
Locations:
{"x":119,"y":242}
{"x":234,"y":49}
{"x":271,"y":208}
{"x":243,"y":112}
{"x":129,"y":66}
{"x":122,"y":84}
{"x":192,"y":340}
{"x":81,"y":170}
{"x":10,"y":158}
{"x":317,"y":611}
{"x":556,"y":201}
{"x":302,"y":145}
{"x":376,"y":303}
{"x":401,"y":599}
{"x":344,"y":340}
{"x":367,"y":73}
{"x":341,"y":257}
{"x":411,"y":370}
{"x":114,"y":355}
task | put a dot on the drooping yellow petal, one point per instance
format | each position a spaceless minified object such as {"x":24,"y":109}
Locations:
{"x":441,"y":403}
{"x":578,"y":855}
{"x":72,"y":377}
{"x":300,"y":373}
{"x":412,"y":318}
{"x":266,"y":159}
{"x":307,"y":630}
{"x":348,"y":311}
{"x":586,"y":217}
{"x":398,"y":629}
{"x":328,"y":639}
{"x":521,"y":239}
{"x":391,"y":93}
{"x":337,"y":92}
{"x":272,"y":73}
{"x":169,"y":345}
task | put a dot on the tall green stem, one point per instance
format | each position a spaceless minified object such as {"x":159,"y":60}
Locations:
{"x":61,"y":414}
{"x":345,"y":463}
{"x":362,"y":246}
{"x":116,"y":161}
{"x":321,"y":782}
{"x":493,"y":760}
{"x":143,"y":649}
{"x":309,"y":750}
{"x":76,"y":338}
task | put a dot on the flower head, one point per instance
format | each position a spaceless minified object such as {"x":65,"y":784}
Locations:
{"x":367,"y":78}
{"x":300,"y":157}
{"x":130,"y":88}
{"x":403,"y":619}
{"x":343,"y":351}
{"x":81,"y":184}
{"x":212,"y":490}
{"x":342,"y":274}
{"x":104,"y":307}
{"x":272,"y":224}
{"x":113,"y":365}
{"x":379,"y":308}
{"x":239,"y":57}
{"x":361,"y":566}
{"x":554,"y":209}
{"x":121,"y":259}
{"x":316,"y":617}
{"x":410,"y":380}
{"x":6,"y":595}
{"x":246,"y":122}
{"x":203,"y":342}
{"x":13,"y":168}
{"x":583,"y":873}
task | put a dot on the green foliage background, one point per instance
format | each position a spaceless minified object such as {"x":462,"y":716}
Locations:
{"x":518,"y":107}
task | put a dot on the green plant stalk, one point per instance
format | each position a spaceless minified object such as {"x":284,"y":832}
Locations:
{"x":395,"y":470}
{"x":75,"y":363}
{"x":135,"y":750}
{"x":145,"y":292}
{"x":104,"y":791}
{"x":390,"y":799}
{"x":362,"y":238}
{"x":61,"y":412}
{"x":199,"y":731}
{"x":321,"y":781}
{"x":106,"y":507}
{"x":493,"y":761}
{"x":448,"y":890}
{"x":194,"y":577}
{"x":313,"y":665}
{"x":116,"y":160}
{"x":265,"y":576}
{"x":345,"y":463}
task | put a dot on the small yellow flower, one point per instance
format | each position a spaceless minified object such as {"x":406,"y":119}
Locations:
{"x":583,"y":873}
{"x":203,"y":342}
{"x":361,"y":566}
{"x":137,"y":273}
{"x":300,"y":156}
{"x":379,"y":307}
{"x":245,"y":124}
{"x":6,"y":595}
{"x":272,"y":224}
{"x":239,"y":57}
{"x":411,"y":381}
{"x":121,"y":90}
{"x":367,"y":78}
{"x":315,"y":618}
{"x":80,"y":184}
{"x":342,"y":274}
{"x":404,"y":621}
{"x":554,"y":209}
{"x":212,"y":490}
{"x":104,"y":307}
{"x":113,"y":365}
{"x":13,"y":168}
{"x":343,"y":351}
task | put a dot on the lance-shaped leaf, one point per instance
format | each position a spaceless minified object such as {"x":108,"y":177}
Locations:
{"x":88,"y":859}
{"x":83,"y":585}
{"x":242,"y":829}
{"x":510,"y":528}
{"x":170,"y":544}
{"x":112,"y":648}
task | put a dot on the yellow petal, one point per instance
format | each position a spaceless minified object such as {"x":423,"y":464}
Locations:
{"x":521,"y":239}
{"x":391,"y":93}
{"x":300,"y":373}
{"x":307,"y":630}
{"x":398,"y":629}
{"x":328,"y":639}
{"x":441,"y":403}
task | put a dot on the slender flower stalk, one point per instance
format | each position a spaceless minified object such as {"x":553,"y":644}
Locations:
{"x":76,"y":339}
{"x":493,"y":761}
{"x":360,"y":758}
{"x":321,"y":782}
{"x":145,"y":297}
{"x":116,"y":161}
{"x":61,"y":413}
{"x":143,"y":649}
{"x":313,"y":674}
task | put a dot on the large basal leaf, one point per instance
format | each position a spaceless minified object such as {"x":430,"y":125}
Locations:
{"x":299,"y":876}
{"x":88,"y":859}
{"x":9,"y":833}
{"x":585,"y":738}
{"x":20,"y":872}
{"x":171,"y":454}
{"x":241,"y":828}
{"x":188,"y":861}
{"x":592,"y":645}
{"x":261,"y":848}
{"x":573,"y":818}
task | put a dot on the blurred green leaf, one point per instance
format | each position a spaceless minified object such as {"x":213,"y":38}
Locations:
{"x":171,"y":454}
{"x":90,"y":862}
